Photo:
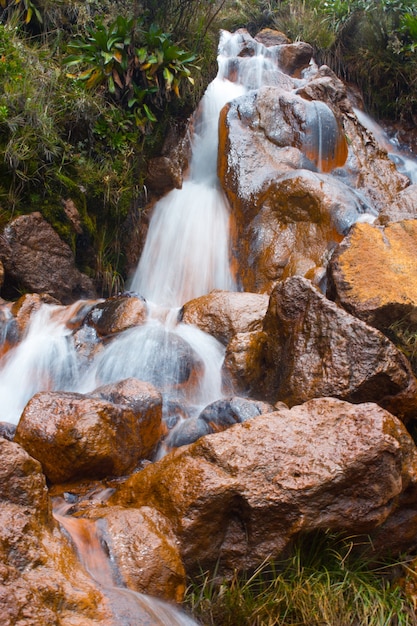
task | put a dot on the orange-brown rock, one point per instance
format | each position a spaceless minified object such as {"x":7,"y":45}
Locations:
{"x":315,"y":348}
{"x":76,"y":436}
{"x":243,"y":365}
{"x":116,"y":314}
{"x":144,"y":549}
{"x":286,"y":218}
{"x":222,"y":314}
{"x":294,"y":57}
{"x":41,"y":581}
{"x":374,"y":274}
{"x":270,"y":37}
{"x":238,"y":497}
{"x":36,"y":259}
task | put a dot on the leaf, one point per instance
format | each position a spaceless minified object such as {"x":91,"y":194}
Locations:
{"x":151,"y":117}
{"x":29,"y":15}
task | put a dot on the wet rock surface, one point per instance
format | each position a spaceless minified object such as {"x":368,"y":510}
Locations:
{"x":41,"y":580}
{"x":117,"y":314}
{"x":76,"y":436}
{"x":241,"y":495}
{"x":374,"y":274}
{"x":314,"y":348}
{"x":36,"y":259}
{"x":222,"y":314}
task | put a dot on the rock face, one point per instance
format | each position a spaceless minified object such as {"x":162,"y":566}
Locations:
{"x":36,"y":259}
{"x":314,"y":348}
{"x":223,"y":313}
{"x":41,"y":581}
{"x":105,"y":434}
{"x":374,"y":274}
{"x":281,"y":152}
{"x":241,"y":495}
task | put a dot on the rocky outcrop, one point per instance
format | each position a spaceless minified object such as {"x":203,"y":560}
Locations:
{"x":281,"y":153}
{"x":238,"y":497}
{"x":374,"y":274}
{"x":314,"y":348}
{"x":37,"y":260}
{"x":222,"y":314}
{"x":105,"y":434}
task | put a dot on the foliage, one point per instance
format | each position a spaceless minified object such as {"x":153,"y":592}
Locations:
{"x":323,"y":583}
{"x":139,"y":67}
{"x":372,"y":43}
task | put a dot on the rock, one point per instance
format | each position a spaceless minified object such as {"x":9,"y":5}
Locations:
{"x":25,"y":307}
{"x":186,"y":432}
{"x":223,"y":414}
{"x":314,"y":348}
{"x":374,"y":274}
{"x":237,"y":498}
{"x":222,"y":314}
{"x":163,"y":175}
{"x":270,"y":37}
{"x":294,"y":57}
{"x":76,"y":436}
{"x":41,"y":581}
{"x":143,"y":547}
{"x":37,"y":260}
{"x":403,"y":207}
{"x":243,"y":366}
{"x":287,"y":218}
{"x":7,"y":430}
{"x":117,"y":314}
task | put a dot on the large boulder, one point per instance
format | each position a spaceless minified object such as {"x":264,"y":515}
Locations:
{"x":238,"y":497}
{"x":37,"y":260}
{"x":374,"y":274}
{"x":222,"y":314}
{"x":105,"y":434}
{"x":298,"y":170}
{"x":315,"y":348}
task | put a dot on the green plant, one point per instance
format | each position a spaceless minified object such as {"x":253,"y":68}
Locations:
{"x":139,"y":67}
{"x":325,"y":582}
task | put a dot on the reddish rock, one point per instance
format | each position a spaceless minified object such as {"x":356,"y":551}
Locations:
{"x":222,"y":314}
{"x":117,"y":314}
{"x":374,"y":274}
{"x":41,"y":581}
{"x":294,"y":57}
{"x":76,"y":436}
{"x":144,"y":549}
{"x":243,"y":366}
{"x":314,"y":348}
{"x":270,"y":37}
{"x":36,"y":259}
{"x":238,"y":497}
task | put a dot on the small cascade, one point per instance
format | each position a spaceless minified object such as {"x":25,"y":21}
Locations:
{"x":129,"y":608}
{"x":44,"y":360}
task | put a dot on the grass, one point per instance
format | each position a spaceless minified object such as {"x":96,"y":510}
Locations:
{"x":324,"y":582}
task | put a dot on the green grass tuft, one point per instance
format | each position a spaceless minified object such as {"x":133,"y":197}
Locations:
{"x":325,"y":582}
